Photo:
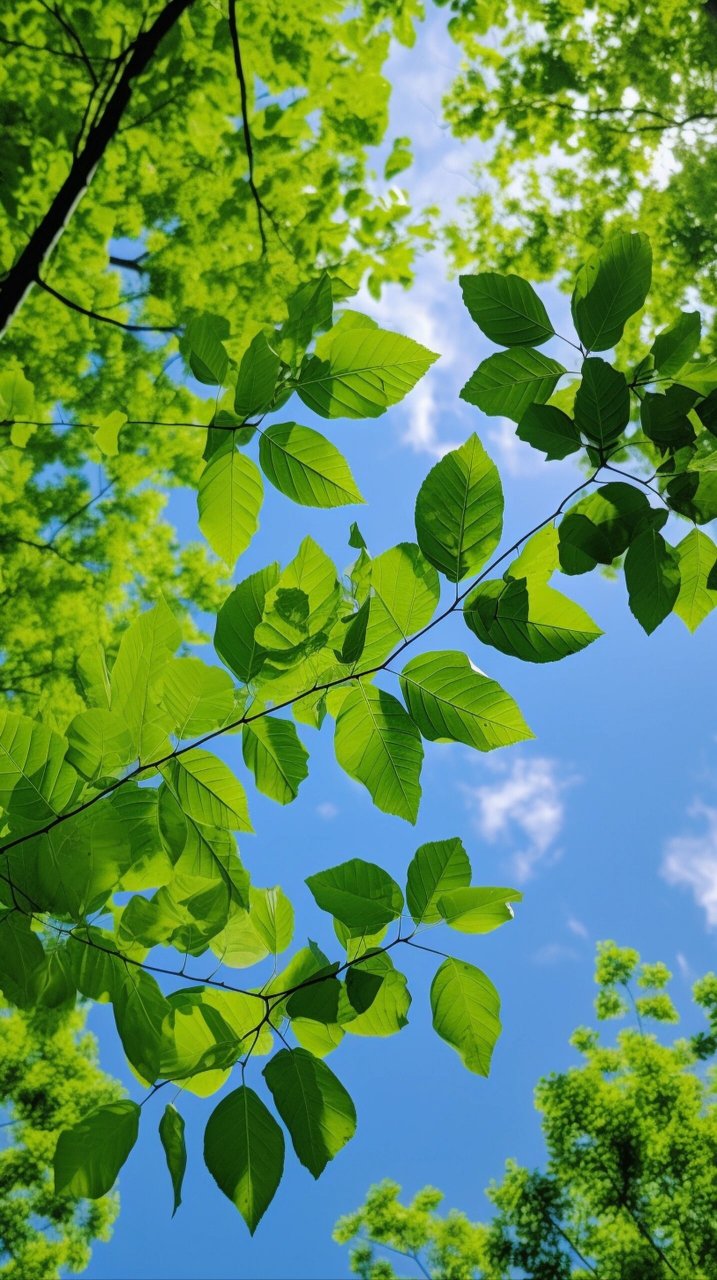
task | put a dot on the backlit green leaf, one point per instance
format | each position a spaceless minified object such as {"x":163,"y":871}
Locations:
{"x":459,"y":511}
{"x":359,"y":894}
{"x":229,"y":497}
{"x":307,"y":467}
{"x":506,"y":308}
{"x":313,"y":1104}
{"x":363,"y":371}
{"x":436,"y":868}
{"x":602,"y":402}
{"x":380,"y":746}
{"x":507,"y":382}
{"x":611,"y":287}
{"x":89,"y":1156}
{"x":451,"y":701}
{"x":466,"y":1012}
{"x":244,"y":1152}
{"x":477,"y":910}
{"x":528,"y":620}
{"x":697,"y":556}
{"x":207,"y":790}
{"x":274,"y":752}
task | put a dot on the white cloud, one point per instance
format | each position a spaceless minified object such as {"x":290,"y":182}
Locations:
{"x":524,"y":806}
{"x":515,"y":456}
{"x":327,"y":810}
{"x":577,"y":927}
{"x":691,"y":860}
{"x":554,"y":953}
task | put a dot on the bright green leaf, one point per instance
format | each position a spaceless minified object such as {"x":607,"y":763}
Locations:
{"x":313,"y":1104}
{"x":509,"y":381}
{"x":306,"y":467}
{"x":229,"y":497}
{"x":528,"y":620}
{"x":380,"y":746}
{"x":459,"y":511}
{"x":359,"y":894}
{"x":466,"y":1012}
{"x":436,"y":868}
{"x":451,"y":701}
{"x":506,"y":308}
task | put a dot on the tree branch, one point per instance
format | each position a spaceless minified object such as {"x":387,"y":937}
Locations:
{"x":25,"y":271}
{"x":94,"y":315}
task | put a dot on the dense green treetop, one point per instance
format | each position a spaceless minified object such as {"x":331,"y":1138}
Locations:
{"x":49,"y":1078}
{"x":590,"y":117}
{"x":629,"y":1183}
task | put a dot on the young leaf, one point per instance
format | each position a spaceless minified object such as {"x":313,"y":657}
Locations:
{"x":436,"y":868}
{"x":229,"y":497}
{"x":89,"y":1156}
{"x":697,"y":556}
{"x":507,"y":382}
{"x":506,"y":308}
{"x":459,"y":511}
{"x":547,"y":428}
{"x":477,"y":910}
{"x":359,"y":894}
{"x":207,"y":790}
{"x":539,"y":558}
{"x":272,"y":915}
{"x":315,"y":1107}
{"x":237,"y":620}
{"x":307,"y":467}
{"x":466,"y":1012}
{"x":380,"y":746}
{"x":171,"y":1133}
{"x":362,"y":372}
{"x":611,"y":287}
{"x":450,"y":700}
{"x":277,"y":757}
{"x":652,"y":574}
{"x":99,"y":744}
{"x":528,"y":620}
{"x":256,"y":378}
{"x":244,"y":1152}
{"x":602,"y":402}
{"x":676,"y":344}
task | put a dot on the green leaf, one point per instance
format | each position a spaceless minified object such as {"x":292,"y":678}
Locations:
{"x":459,"y":511}
{"x":706,"y":411}
{"x":356,"y":538}
{"x":274,"y":752}
{"x":399,"y":158}
{"x":89,"y":1156}
{"x":478,"y":910}
{"x":359,"y":894}
{"x":355,"y":635}
{"x":387,"y":1012}
{"x":506,"y":308}
{"x":528,"y":620}
{"x":198,"y":698}
{"x":436,"y":868}
{"x":363,"y":372}
{"x":380,"y":746}
{"x":234,"y":639}
{"x":306,"y":467}
{"x":23,"y":968}
{"x":310,"y":310}
{"x":675,"y":345}
{"x":652,"y":575}
{"x":507,"y":382}
{"x":207,"y":790}
{"x":407,"y":586}
{"x":312,"y":1102}
{"x":602,"y":402}
{"x":229,"y":497}
{"x":599,"y":527}
{"x":699,"y":376}
{"x":99,"y":745}
{"x":145,"y":651}
{"x":611,"y":287}
{"x":244,"y":1152}
{"x":697,"y":556}
{"x":664,"y":417}
{"x":171,"y":1133}
{"x":272,"y":915}
{"x":466,"y":1012}
{"x":36,"y":783}
{"x":140,"y":1009}
{"x":303,"y":603}
{"x":451,"y":701}
{"x":694,"y":495}
{"x":549,"y":429}
{"x":202,"y":346}
{"x":539,"y":558}
{"x":256,"y":378}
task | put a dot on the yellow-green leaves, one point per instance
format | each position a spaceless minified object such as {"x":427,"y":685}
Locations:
{"x":302,"y":603}
{"x":90,"y":1155}
{"x":359,"y":894}
{"x":256,"y":378}
{"x":451,"y":701}
{"x":507,"y":382}
{"x":137,"y":677}
{"x":697,"y":598}
{"x":610,"y":288}
{"x":36,"y":783}
{"x":171,"y":1132}
{"x":507,"y":309}
{"x":313,"y":1104}
{"x":207,"y":790}
{"x":306,"y":467}
{"x":477,"y":909}
{"x":361,"y":372}
{"x":528,"y":619}
{"x":459,"y":511}
{"x":466,"y":1010}
{"x":377,"y":743}
{"x":244,"y":1152}
{"x":276,"y":756}
{"x":229,"y":499}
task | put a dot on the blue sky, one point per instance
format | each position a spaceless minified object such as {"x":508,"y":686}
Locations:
{"x":608,"y":821}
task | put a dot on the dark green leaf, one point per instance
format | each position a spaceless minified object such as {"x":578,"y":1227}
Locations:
{"x":313,"y":1104}
{"x":244,"y":1152}
{"x":528,"y":620}
{"x":256,"y":379}
{"x":507,"y":382}
{"x":459,"y":511}
{"x":237,"y":621}
{"x":547,"y":428}
{"x":602,"y":402}
{"x":652,"y":574}
{"x":89,"y":1156}
{"x":611,"y":287}
{"x":506,"y":308}
{"x":171,"y":1133}
{"x":676,"y":344}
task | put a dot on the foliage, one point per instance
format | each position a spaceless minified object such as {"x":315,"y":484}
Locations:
{"x":630,"y":1176}
{"x":590,"y":117}
{"x":48,"y":1077}
{"x":125,"y":794}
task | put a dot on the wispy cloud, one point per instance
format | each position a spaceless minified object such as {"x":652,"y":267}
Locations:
{"x":554,"y":953}
{"x":513,"y":454}
{"x":327,"y":810}
{"x":525,"y":807}
{"x":691,"y":861}
{"x":577,"y":927}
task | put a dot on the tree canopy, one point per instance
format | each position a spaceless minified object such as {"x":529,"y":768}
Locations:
{"x":629,"y":1182}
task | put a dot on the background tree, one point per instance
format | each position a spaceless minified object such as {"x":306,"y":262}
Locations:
{"x":629,"y":1183}
{"x":49,"y":1076}
{"x":589,"y":117}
